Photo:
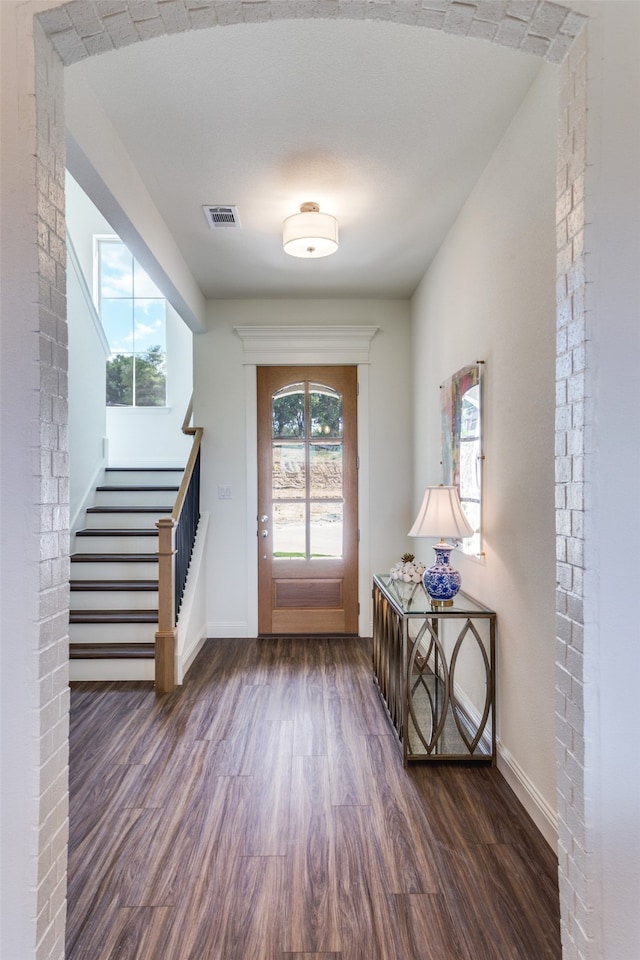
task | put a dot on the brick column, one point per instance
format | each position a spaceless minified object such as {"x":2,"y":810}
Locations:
{"x":53,"y":504}
{"x":573,"y":420}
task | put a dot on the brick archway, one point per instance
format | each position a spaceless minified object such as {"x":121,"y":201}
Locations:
{"x":80,"y":29}
{"x":69,"y":32}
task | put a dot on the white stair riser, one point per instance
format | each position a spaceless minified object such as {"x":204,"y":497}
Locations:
{"x":112,"y":632}
{"x":120,"y":668}
{"x":111,"y":670}
{"x":140,"y":478}
{"x":130,"y":498}
{"x":114,"y":600}
{"x":116,"y":544}
{"x":117,"y":521}
{"x":123,"y":570}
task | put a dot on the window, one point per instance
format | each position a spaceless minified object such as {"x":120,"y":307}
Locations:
{"x":307,"y":472}
{"x":133,"y":314}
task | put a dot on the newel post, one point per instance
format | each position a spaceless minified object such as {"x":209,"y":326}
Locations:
{"x":166,"y":633}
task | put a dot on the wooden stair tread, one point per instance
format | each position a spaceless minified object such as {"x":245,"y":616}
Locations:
{"x":111,"y":651}
{"x":122,"y":488}
{"x":108,"y":625}
{"x":144,"y":469}
{"x":113,"y":585}
{"x":140,"y":508}
{"x":117,"y":532}
{"x":113,"y":616}
{"x":114,"y":558}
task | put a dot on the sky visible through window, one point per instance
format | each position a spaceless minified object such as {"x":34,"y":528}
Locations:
{"x":133,"y":313}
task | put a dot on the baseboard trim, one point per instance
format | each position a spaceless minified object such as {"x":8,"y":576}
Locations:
{"x":540,"y":811}
{"x":89,"y":496}
{"x":189,"y":655}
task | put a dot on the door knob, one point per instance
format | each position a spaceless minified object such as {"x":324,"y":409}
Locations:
{"x":264,"y":518}
{"x":264,"y":533}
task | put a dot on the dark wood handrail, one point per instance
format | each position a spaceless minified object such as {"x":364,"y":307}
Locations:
{"x":167,"y":630}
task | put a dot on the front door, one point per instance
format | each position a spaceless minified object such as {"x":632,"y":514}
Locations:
{"x":307,"y":500}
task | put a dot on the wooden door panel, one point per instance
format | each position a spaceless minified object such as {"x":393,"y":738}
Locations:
{"x":307,"y":491}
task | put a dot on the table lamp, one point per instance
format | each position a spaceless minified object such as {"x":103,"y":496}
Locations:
{"x":441,"y":516}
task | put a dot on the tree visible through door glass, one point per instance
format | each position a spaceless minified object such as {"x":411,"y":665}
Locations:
{"x":325,"y":411}
{"x":288,"y":411}
{"x":307,"y":472}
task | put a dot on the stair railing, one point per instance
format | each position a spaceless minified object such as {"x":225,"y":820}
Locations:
{"x":176,"y":536}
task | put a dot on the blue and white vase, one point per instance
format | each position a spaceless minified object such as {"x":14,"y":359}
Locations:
{"x":442,"y":581}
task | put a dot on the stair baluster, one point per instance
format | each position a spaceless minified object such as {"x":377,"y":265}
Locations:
{"x":176,"y":537}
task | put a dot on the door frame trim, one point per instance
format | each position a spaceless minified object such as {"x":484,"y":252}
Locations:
{"x":289,"y":345}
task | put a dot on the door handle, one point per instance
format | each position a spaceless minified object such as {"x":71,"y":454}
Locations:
{"x":264,"y":533}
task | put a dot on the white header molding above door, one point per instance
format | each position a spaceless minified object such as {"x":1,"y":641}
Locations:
{"x":288,"y":344}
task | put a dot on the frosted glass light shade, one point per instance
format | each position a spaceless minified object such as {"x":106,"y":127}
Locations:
{"x":441,"y":515}
{"x":310,"y":234}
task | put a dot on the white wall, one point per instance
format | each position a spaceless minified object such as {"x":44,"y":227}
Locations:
{"x":99,"y":162}
{"x":220,"y":407}
{"x":148,"y":436}
{"x":612,"y":583}
{"x":88,"y":352}
{"x":490,"y":295}
{"x":84,"y":221}
{"x":144,"y":436}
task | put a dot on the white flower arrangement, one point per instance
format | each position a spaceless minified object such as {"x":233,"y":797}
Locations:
{"x":408,"y":570}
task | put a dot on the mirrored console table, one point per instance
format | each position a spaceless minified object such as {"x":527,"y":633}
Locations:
{"x":435,"y":671}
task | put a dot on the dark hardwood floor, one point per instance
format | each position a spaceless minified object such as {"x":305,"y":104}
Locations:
{"x":262,"y":812}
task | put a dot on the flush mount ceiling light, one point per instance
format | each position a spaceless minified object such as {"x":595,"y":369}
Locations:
{"x":310,"y":233}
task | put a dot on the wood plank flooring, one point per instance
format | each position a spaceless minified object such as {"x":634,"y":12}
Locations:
{"x":262,"y":813}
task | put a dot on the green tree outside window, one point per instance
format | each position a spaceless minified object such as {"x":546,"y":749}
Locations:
{"x":133,"y":314}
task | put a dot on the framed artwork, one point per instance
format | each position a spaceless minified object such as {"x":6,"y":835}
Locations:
{"x":462,"y":457}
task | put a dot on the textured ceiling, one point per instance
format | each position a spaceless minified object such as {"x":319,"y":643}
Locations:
{"x":388,"y":127}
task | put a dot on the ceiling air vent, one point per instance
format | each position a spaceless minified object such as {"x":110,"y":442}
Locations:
{"x":221,"y":216}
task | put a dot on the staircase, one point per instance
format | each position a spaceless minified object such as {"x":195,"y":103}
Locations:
{"x":114,"y":575}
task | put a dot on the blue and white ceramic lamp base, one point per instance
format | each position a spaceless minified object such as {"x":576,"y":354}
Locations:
{"x":442,"y":581}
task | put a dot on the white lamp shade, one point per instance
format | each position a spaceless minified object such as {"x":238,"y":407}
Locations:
{"x":310,"y":234}
{"x":441,"y":515}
